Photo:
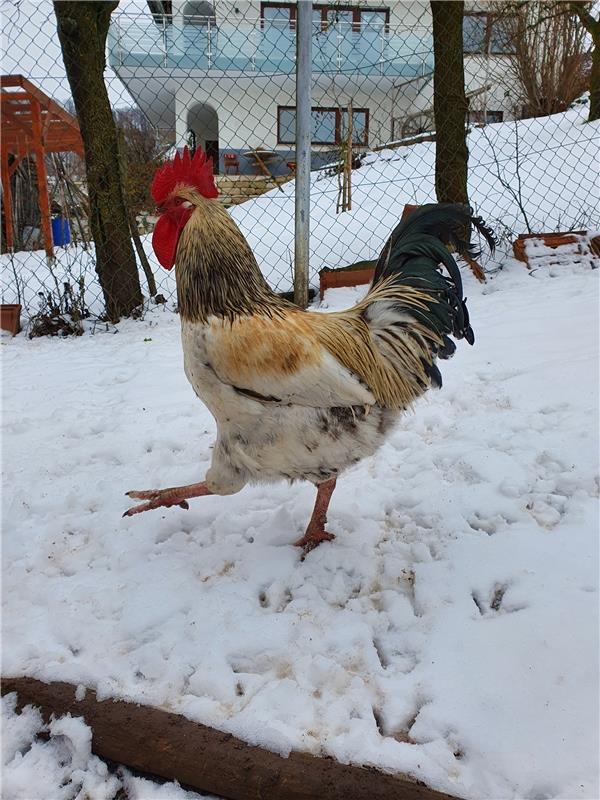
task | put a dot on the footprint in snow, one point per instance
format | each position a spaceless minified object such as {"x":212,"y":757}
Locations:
{"x":493,"y":604}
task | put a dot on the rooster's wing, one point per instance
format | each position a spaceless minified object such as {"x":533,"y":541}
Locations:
{"x":283,"y":359}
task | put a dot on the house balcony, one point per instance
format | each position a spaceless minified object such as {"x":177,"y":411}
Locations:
{"x":266,"y":47}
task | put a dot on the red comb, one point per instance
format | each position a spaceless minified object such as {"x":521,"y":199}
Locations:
{"x":196,"y":172}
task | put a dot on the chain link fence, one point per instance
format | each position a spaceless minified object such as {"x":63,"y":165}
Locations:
{"x":221,"y":76}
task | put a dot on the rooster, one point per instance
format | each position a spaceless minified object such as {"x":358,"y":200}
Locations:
{"x":301,"y":395}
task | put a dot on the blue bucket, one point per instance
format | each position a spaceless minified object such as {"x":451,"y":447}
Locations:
{"x":61,"y":231}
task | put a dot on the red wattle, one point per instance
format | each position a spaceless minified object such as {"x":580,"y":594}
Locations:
{"x":166,"y":236}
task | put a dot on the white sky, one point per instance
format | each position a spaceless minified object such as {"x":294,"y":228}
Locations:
{"x":29,"y":46}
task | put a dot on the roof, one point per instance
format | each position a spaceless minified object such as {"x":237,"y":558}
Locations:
{"x":22,"y":127}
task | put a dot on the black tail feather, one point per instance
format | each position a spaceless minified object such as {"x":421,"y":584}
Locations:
{"x":447,"y":222}
{"x":413,"y":255}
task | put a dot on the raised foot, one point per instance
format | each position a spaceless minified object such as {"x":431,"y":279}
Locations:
{"x":156,"y":498}
{"x":313,"y":538}
{"x":175,"y":496}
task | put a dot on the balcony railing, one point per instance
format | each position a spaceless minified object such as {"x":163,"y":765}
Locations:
{"x":266,"y":46}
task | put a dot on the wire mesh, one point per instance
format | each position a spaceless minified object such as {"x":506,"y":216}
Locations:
{"x":221,"y":76}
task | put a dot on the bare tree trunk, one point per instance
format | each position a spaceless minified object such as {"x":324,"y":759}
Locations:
{"x":82,"y":31}
{"x":449,"y":103}
{"x":595,"y":78}
{"x":592,"y":26}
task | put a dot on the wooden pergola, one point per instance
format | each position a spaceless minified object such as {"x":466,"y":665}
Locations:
{"x":32,"y":124}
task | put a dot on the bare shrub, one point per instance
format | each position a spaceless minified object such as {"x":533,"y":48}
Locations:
{"x":550,"y":64}
{"x":142,"y":152}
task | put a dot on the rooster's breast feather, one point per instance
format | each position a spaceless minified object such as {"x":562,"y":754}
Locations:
{"x":283,"y":358}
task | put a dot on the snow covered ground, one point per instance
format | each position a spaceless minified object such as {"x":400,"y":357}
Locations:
{"x":55,"y":762}
{"x":451,"y":629}
{"x":557,"y":167}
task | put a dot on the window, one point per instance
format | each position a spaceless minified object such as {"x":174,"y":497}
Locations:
{"x":359,"y":125}
{"x":474,"y":28}
{"x":499,"y":38}
{"x":328,"y":125}
{"x":280,"y":14}
{"x":323,"y":125}
{"x":324,"y":16}
{"x":483,"y":33}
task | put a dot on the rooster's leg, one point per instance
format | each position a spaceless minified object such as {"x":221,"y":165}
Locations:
{"x":175,"y":496}
{"x":315,"y":532}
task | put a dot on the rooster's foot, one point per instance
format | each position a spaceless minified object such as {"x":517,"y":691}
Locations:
{"x":315,"y":532}
{"x":165,"y":498}
{"x":313,"y":538}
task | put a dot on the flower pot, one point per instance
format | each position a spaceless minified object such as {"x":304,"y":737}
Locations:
{"x":10,"y":318}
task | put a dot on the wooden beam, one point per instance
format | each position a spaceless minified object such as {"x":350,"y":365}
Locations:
{"x":23,"y":118}
{"x":46,"y":120}
{"x":42,"y":177}
{"x":43,"y":99}
{"x":14,"y":96}
{"x":7,"y":202}
{"x":18,"y":145}
{"x":18,"y":109}
{"x":173,"y":747}
{"x":11,"y":80}
{"x":18,"y":122}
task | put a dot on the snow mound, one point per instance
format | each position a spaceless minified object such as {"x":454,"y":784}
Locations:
{"x":60,"y":766}
{"x":557,"y":171}
{"x":558,"y":159}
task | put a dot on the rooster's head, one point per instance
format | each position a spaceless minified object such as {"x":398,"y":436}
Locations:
{"x":178,"y":187}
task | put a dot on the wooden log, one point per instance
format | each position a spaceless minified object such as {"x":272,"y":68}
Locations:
{"x":170,"y":746}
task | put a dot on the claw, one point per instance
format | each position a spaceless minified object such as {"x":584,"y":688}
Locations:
{"x":165,"y":498}
{"x":313,"y":539}
{"x":155,"y":499}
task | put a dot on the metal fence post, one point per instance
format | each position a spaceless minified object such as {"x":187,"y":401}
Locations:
{"x":303,"y":140}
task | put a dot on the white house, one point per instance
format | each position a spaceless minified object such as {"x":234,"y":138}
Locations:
{"x":223,"y":72}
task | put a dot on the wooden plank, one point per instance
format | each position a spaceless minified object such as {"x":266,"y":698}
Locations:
{"x":15,"y":123}
{"x":17,"y":145}
{"x":336,"y":278}
{"x":7,"y":202}
{"x":42,"y":177}
{"x":11,"y":80}
{"x":551,"y":240}
{"x":43,"y":99}
{"x":14,"y":96}
{"x":168,"y":745}
{"x":22,"y":109}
